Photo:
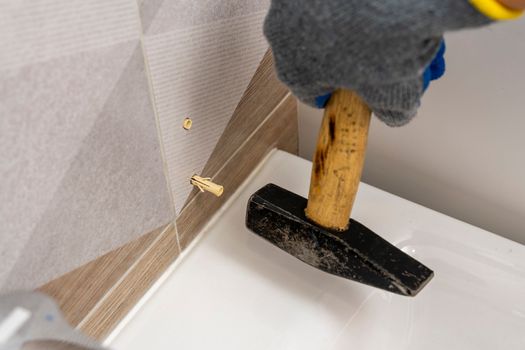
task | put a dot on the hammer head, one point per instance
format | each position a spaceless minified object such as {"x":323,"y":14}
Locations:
{"x":357,"y":254}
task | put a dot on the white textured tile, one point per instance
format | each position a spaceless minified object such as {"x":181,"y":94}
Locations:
{"x":33,"y":31}
{"x":112,"y":191}
{"x":47,"y":110}
{"x":159,"y":16}
{"x":200,"y":72}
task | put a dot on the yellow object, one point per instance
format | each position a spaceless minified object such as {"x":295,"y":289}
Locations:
{"x":187,"y":123}
{"x":495,"y":10}
{"x":205,"y":184}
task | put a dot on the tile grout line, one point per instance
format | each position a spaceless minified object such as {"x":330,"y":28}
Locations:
{"x":160,"y":137}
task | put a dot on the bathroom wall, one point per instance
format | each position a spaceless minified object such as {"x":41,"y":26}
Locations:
{"x":95,"y":168}
{"x":202,"y":55}
{"x":80,"y":168}
{"x":96,"y":296}
{"x":92,"y":99}
{"x":463,"y":154}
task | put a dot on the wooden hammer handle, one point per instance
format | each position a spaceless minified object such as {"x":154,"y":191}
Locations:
{"x":338,"y":160}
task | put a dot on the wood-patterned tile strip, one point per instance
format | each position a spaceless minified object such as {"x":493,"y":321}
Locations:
{"x":78,"y":291}
{"x":279,"y":130}
{"x":132,"y":286}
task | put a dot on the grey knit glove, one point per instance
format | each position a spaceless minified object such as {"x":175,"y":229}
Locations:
{"x":378,"y":48}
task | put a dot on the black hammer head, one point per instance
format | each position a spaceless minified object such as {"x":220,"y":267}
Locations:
{"x":358,"y":254}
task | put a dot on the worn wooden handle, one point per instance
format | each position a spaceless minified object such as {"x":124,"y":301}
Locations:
{"x":338,"y":160}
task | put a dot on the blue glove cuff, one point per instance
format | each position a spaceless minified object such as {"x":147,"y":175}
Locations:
{"x":437,"y":67}
{"x":321,"y":101}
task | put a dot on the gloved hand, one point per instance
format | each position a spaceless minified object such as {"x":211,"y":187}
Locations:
{"x":434,"y":71}
{"x":382,"y":49}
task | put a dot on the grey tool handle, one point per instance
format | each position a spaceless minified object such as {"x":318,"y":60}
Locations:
{"x":27,"y":317}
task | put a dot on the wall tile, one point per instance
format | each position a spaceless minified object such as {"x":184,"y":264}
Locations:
{"x":35,"y":31}
{"x":199,"y":71}
{"x":80,"y":164}
{"x":113,"y":190}
{"x":160,"y":16}
{"x":47,"y":110}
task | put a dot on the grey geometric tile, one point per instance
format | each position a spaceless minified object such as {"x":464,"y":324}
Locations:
{"x":84,"y":173}
{"x":148,"y":10}
{"x":36,"y":31}
{"x":47,"y":110}
{"x":159,"y":16}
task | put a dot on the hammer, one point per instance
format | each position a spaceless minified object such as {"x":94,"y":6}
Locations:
{"x":318,"y":231}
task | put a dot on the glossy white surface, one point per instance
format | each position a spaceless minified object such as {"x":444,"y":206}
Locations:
{"x":236,"y":291}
